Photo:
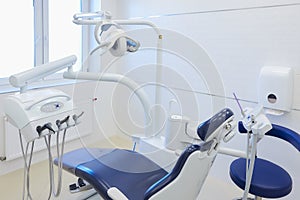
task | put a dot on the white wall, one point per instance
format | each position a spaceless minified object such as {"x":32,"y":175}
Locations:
{"x":240,"y":38}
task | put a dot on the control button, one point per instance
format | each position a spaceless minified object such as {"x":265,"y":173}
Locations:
{"x":52,"y":106}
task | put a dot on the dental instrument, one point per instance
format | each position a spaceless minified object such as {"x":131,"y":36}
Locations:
{"x":40,"y":114}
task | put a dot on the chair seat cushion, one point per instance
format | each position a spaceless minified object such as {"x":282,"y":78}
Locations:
{"x":129,"y":171}
{"x":269,"y":180}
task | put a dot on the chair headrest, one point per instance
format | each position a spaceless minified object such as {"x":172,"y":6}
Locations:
{"x":208,"y":129}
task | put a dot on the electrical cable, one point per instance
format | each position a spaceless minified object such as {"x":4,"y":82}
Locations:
{"x":48,"y":145}
{"x":251,"y":167}
{"x":103,"y":44}
{"x":60,"y":152}
{"x":28,"y":160}
{"x":28,"y":167}
{"x":25,"y":165}
{"x":59,"y":158}
{"x":26,"y":185}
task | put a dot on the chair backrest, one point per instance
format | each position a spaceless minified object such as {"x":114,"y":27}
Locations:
{"x":188,"y":175}
{"x":193,"y":165}
{"x":281,"y":132}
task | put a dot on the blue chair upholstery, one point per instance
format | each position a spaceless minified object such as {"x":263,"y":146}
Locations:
{"x":269,"y":180}
{"x":133,"y":174}
{"x":129,"y":171}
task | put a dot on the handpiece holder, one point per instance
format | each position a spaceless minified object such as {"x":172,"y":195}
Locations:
{"x":60,"y":122}
{"x":76,"y":117}
{"x":255,"y":121}
{"x":47,"y":126}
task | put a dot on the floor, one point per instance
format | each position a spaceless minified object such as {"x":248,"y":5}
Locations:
{"x":212,"y":189}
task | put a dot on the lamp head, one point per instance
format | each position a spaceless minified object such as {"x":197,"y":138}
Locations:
{"x":111,"y":37}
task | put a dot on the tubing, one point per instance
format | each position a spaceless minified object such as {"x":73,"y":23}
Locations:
{"x":251,"y":167}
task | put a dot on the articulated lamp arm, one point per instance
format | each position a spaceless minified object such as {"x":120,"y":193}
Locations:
{"x":22,"y":79}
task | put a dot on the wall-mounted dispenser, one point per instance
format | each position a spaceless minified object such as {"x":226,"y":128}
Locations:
{"x":275,"y":89}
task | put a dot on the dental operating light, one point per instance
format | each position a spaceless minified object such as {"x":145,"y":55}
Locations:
{"x":116,"y":41}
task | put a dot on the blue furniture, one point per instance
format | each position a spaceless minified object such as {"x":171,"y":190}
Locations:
{"x":269,"y":180}
{"x":140,"y":178}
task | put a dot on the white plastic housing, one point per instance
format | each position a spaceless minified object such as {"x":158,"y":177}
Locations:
{"x":275,"y":88}
{"x":262,"y":124}
{"x":179,"y":132}
{"x":24,"y":78}
{"x":35,"y":108}
{"x":191,"y":178}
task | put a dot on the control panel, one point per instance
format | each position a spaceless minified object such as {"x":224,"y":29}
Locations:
{"x":52,"y":106}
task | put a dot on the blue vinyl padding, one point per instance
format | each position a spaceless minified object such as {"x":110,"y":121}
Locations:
{"x":269,"y":180}
{"x":208,"y":127}
{"x":280,"y":132}
{"x":131,"y":172}
{"x":74,"y":158}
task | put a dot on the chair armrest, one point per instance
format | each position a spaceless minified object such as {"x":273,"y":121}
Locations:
{"x":115,"y":194}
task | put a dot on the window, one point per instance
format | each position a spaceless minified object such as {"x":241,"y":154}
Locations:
{"x":64,"y":36}
{"x":17,"y":37}
{"x":38,"y":31}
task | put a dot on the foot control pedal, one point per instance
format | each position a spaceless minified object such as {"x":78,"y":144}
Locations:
{"x":80,"y":186}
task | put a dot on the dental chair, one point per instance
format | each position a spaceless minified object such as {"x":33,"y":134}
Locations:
{"x":269,"y":180}
{"x":125,"y":174}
